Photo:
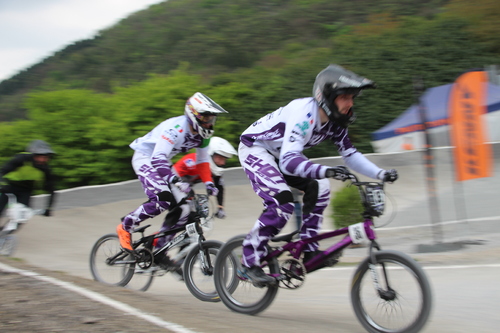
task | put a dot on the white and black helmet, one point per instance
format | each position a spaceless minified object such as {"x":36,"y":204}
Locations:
{"x":221,"y":147}
{"x":200,"y":109}
{"x":333,"y":81}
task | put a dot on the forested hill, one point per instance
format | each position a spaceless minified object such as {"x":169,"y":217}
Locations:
{"x":93,"y":98}
{"x":214,"y":36}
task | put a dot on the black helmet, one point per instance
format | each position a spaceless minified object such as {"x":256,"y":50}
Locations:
{"x":333,"y":81}
{"x":39,"y":147}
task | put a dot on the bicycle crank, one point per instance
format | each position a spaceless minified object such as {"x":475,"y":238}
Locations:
{"x":293,"y":274}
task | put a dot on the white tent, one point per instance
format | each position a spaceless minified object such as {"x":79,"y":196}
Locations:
{"x":406,"y":131}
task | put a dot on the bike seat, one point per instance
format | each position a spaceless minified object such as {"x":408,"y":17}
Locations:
{"x":285,"y":238}
{"x":141,"y":229}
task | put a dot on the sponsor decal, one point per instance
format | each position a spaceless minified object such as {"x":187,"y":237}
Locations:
{"x":267,"y":135}
{"x":349,"y":81}
{"x":190,"y":163}
{"x":166,"y":138}
{"x":172,"y":133}
{"x":303,"y":128}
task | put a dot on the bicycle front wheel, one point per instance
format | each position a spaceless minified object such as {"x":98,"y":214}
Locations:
{"x":109,"y":263}
{"x":199,"y":271}
{"x":235,"y":291}
{"x":399,"y":299}
{"x":8,"y":243}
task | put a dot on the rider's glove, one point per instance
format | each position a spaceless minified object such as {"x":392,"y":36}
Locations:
{"x":388,"y":175}
{"x":211,"y":189}
{"x":339,"y":172}
{"x":221,"y":214}
{"x":183,"y":186}
{"x":47,"y":212}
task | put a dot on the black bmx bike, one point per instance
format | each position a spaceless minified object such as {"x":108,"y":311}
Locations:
{"x":390,"y":292}
{"x":110,"y":264}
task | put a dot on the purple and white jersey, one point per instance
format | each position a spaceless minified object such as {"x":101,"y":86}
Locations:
{"x":286,"y":132}
{"x":169,"y":138}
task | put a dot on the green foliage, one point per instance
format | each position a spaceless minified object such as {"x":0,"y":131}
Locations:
{"x":346,"y":207}
{"x":93,"y":98}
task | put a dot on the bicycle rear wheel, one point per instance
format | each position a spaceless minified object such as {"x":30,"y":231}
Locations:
{"x":404,"y":306}
{"x":8,"y":243}
{"x":109,"y":263}
{"x":236,"y":292}
{"x":142,"y":279}
{"x":199,"y":271}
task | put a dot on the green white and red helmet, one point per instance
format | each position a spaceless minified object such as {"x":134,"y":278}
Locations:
{"x":202,"y":110}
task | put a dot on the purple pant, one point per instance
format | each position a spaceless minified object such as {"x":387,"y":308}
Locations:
{"x":267,"y":181}
{"x":153,"y":184}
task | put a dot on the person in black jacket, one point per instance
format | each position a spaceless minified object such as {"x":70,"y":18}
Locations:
{"x":26,"y":172}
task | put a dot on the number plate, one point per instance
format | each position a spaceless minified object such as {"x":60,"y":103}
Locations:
{"x":191,"y":229}
{"x":358,"y":233}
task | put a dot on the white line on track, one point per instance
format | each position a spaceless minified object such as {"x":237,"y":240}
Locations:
{"x":426,"y":267}
{"x":99,"y":298}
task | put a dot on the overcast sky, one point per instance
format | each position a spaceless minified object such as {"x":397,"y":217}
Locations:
{"x":32,"y":30}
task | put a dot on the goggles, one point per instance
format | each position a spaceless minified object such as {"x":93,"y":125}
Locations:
{"x":206,"y":119}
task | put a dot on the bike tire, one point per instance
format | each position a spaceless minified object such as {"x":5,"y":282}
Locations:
{"x":409,"y":309}
{"x":237,"y":293}
{"x":141,"y":280}
{"x":8,"y":244}
{"x":119,"y":274}
{"x":200,"y":280}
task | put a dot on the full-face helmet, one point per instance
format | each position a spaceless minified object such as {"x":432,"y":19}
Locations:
{"x":333,"y":81}
{"x":221,"y":147}
{"x":202,"y":112}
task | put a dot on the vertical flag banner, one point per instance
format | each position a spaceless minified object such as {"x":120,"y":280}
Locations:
{"x":466,"y":106}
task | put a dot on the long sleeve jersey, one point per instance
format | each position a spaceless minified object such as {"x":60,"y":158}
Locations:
{"x":169,"y":138}
{"x":188,"y":169}
{"x":286,"y":132}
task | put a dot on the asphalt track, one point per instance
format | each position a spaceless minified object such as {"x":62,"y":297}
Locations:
{"x":82,"y":215}
{"x":468,"y":211}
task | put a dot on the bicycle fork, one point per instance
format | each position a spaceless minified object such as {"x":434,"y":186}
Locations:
{"x":386,"y":294}
{"x":206,"y":263}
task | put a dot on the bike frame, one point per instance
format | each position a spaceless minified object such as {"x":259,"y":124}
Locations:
{"x":296,"y":248}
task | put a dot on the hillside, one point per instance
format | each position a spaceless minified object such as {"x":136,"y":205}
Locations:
{"x":214,"y":36}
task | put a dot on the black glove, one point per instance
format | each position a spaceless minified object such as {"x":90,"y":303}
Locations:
{"x":47,"y":212}
{"x":339,"y":172}
{"x":389,"y":175}
{"x":5,"y":188}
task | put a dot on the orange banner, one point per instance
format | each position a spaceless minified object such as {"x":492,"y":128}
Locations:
{"x":467,"y":104}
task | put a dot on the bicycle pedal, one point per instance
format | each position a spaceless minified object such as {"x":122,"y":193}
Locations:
{"x":330,"y":262}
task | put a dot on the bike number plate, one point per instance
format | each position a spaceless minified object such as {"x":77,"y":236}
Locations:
{"x":358,"y":233}
{"x":191,"y":229}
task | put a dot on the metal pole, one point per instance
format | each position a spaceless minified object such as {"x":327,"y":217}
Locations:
{"x":429,"y":164}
